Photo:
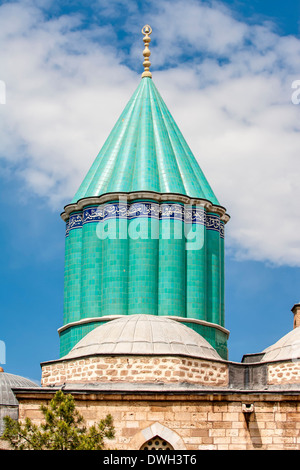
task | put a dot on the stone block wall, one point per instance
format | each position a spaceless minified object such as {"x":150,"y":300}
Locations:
{"x":284,"y":373}
{"x":141,"y":369}
{"x":189,"y":421}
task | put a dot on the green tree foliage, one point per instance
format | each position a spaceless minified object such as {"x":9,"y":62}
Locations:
{"x":63,"y":429}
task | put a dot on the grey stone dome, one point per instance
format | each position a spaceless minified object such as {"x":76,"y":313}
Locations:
{"x":143,"y":335}
{"x":286,"y":348}
{"x":10,"y":381}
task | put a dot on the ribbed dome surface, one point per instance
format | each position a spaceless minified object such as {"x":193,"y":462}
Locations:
{"x":9,"y":381}
{"x":287,"y":348}
{"x":143,"y":334}
{"x":146,"y":151}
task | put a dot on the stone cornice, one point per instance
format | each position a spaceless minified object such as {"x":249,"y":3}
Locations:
{"x":142,"y":195}
{"x":114,"y":317}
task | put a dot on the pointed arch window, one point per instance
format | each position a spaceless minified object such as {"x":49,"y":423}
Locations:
{"x":157,"y":443}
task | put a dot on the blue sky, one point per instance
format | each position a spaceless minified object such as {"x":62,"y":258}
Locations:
{"x":225,"y":70}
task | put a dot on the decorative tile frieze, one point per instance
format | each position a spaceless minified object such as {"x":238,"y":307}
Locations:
{"x":165,"y":211}
{"x":75,"y":221}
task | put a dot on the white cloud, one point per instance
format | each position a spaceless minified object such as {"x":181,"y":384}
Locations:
{"x":228,"y":88}
{"x":60,"y":91}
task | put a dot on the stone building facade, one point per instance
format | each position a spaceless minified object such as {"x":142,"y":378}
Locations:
{"x":143,"y":335}
{"x":210,"y":420}
{"x":184,"y":398}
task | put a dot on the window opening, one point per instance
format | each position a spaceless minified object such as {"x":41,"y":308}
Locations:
{"x":156,"y":443}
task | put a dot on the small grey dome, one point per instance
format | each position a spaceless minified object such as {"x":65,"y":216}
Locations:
{"x":286,"y":348}
{"x":9,"y":381}
{"x":144,"y":335}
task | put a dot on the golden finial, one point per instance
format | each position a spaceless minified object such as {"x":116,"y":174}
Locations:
{"x":146,"y":52}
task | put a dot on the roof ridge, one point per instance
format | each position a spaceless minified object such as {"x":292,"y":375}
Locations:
{"x":171,"y":123}
{"x":124,"y":151}
{"x":165,"y":157}
{"x":127,"y":114}
{"x":99,"y":160}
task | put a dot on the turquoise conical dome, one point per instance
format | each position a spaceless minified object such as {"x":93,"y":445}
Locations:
{"x":144,"y":231}
{"x":146,"y":152}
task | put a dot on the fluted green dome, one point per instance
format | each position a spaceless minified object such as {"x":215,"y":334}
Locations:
{"x":146,"y":151}
{"x":145,"y":232}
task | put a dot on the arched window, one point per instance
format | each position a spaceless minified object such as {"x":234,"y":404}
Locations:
{"x":156,"y":443}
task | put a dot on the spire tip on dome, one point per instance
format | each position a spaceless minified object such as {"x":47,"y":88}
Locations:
{"x":147,"y":30}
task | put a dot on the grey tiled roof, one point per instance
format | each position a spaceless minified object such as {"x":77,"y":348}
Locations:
{"x":143,"y":334}
{"x":9,"y":381}
{"x":286,"y":348}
